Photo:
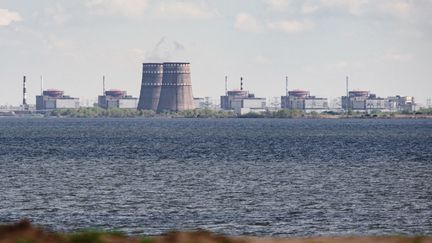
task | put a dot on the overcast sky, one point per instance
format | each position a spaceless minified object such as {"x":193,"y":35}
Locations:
{"x":385,"y":46}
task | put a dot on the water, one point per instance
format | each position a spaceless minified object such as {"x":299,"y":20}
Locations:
{"x":237,"y":177}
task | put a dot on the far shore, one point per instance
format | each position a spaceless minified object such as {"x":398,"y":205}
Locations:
{"x":93,"y":112}
{"x":247,"y":116}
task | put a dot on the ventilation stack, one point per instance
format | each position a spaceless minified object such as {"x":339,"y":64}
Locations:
{"x":151,"y":86}
{"x":24,"y":103}
{"x":176,"y":92}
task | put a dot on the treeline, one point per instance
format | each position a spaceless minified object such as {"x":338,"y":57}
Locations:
{"x":95,"y":112}
{"x":425,"y":111}
{"x":284,"y":113}
{"x":205,"y":113}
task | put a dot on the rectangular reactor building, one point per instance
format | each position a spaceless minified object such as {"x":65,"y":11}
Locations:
{"x":55,"y":99}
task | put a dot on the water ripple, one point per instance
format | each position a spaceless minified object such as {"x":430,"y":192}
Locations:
{"x":253,"y":177}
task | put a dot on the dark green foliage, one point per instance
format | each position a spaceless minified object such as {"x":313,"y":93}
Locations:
{"x":85,"y":237}
{"x":206,"y":113}
{"x":23,"y":240}
{"x":425,"y":111}
{"x":91,"y":236}
{"x":333,"y":113}
{"x":95,"y":112}
{"x":147,"y":240}
{"x":417,"y":239}
{"x":287,"y":113}
{"x":314,"y":114}
{"x":115,"y":233}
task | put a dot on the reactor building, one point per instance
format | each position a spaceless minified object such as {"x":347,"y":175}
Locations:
{"x":52,"y":99}
{"x":114,"y":98}
{"x":241,"y":101}
{"x":302,"y":100}
{"x":364,"y":101}
{"x":166,"y":87}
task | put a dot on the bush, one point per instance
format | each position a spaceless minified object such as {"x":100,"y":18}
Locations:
{"x":287,"y":113}
{"x":95,"y":112}
{"x":426,"y":111}
{"x":252,"y":115}
{"x":206,"y":113}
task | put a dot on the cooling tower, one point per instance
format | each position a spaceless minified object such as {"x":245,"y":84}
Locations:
{"x":176,"y":92}
{"x":151,"y":86}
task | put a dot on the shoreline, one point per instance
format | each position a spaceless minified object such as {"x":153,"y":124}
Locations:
{"x":25,"y":232}
{"x":321,"y":117}
{"x":209,"y":113}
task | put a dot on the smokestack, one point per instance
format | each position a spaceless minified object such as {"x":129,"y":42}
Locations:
{"x":41,"y":85}
{"x":347,"y":86}
{"x":24,"y":103}
{"x":226,"y":85}
{"x":241,"y":83}
{"x":103,"y":85}
{"x":347,"y":94}
{"x":286,"y":86}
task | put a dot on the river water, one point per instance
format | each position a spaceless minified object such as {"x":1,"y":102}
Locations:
{"x":263,"y":177}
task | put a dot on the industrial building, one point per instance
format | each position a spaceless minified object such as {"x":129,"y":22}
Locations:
{"x":242,"y":102}
{"x":302,"y":100}
{"x":117,"y":99}
{"x":151,"y":86}
{"x":55,"y":99}
{"x":166,"y":87}
{"x":201,"y":103}
{"x":401,"y":103}
{"x":364,"y":101}
{"x":205,"y":103}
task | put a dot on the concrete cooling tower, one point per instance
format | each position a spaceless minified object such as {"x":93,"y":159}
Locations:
{"x":176,"y":92}
{"x":151,"y":86}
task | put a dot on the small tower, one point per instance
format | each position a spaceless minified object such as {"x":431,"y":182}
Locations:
{"x":24,"y":102}
{"x":226,"y":85}
{"x":103,"y":85}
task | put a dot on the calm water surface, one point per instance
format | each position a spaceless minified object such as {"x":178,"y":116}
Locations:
{"x":257,"y":177}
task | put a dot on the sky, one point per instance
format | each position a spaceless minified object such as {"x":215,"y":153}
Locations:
{"x":384,"y":46}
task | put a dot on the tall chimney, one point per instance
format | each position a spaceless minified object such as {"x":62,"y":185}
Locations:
{"x":41,"y":85}
{"x":347,"y":87}
{"x":226,"y":85}
{"x":24,"y":103}
{"x":347,"y":104}
{"x":103,"y":85}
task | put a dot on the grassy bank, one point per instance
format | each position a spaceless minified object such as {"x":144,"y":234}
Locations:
{"x":24,"y":232}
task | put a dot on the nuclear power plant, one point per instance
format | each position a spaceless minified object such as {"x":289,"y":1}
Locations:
{"x":166,"y":87}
